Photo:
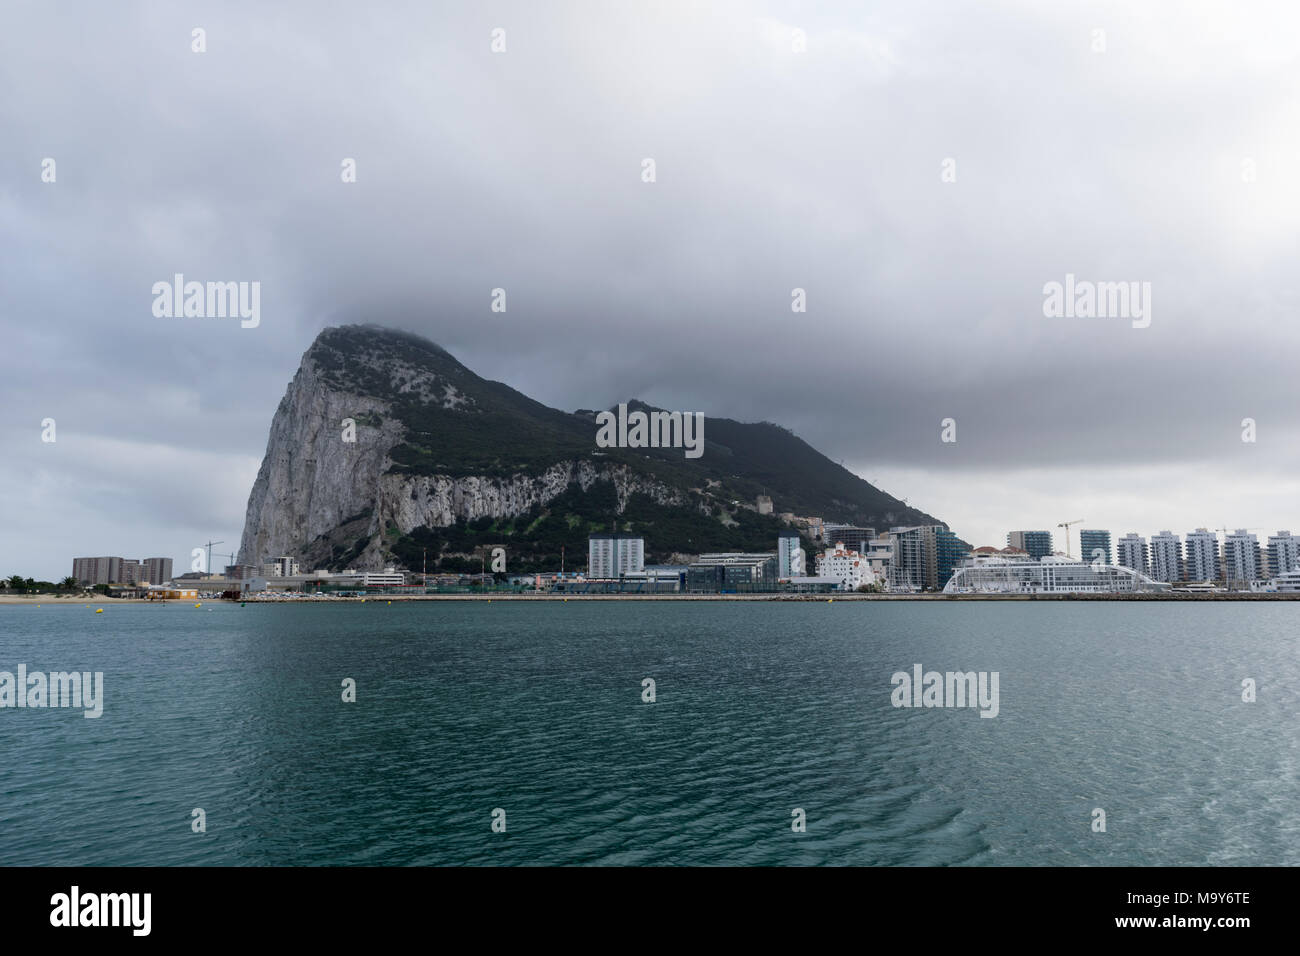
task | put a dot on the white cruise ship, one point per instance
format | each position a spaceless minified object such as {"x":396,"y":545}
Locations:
{"x":1054,"y":574}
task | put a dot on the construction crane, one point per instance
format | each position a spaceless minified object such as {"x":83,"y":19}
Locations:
{"x":1066,"y":526}
{"x":230,"y":556}
{"x":208,"y":569}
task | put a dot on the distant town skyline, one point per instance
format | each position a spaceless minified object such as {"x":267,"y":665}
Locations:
{"x":915,"y":179}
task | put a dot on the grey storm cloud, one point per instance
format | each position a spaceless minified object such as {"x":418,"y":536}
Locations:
{"x":1168,"y":157}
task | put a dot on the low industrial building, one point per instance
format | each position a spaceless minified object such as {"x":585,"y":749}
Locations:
{"x":732,"y":573}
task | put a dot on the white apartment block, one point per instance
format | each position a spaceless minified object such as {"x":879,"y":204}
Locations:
{"x":609,"y":555}
{"x":1283,"y":553}
{"x":1241,"y":557}
{"x":1131,"y":552}
{"x":850,"y":568}
{"x":1201,"y":555}
{"x":1166,"y":557}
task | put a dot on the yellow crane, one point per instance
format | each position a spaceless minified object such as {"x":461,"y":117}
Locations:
{"x":1066,"y":526}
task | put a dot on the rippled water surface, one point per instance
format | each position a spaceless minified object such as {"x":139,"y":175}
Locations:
{"x":762,"y":708}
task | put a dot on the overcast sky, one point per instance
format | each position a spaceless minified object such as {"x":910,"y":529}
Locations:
{"x":1171,"y":156}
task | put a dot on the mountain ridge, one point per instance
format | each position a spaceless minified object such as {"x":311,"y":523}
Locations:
{"x":444,"y":464}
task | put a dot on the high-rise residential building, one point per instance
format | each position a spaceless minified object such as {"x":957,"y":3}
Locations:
{"x":106,"y":570}
{"x":158,"y":570}
{"x":789,"y":560}
{"x":924,"y":556}
{"x":1132,"y":552}
{"x":1241,"y":557}
{"x":1038,"y":544}
{"x":907,"y":569}
{"x":1283,"y":553}
{"x":1090,"y":542}
{"x":1166,"y":557}
{"x":115,"y":570}
{"x":1201,"y":555}
{"x":764,"y":505}
{"x":949,"y":552}
{"x":610,"y":554}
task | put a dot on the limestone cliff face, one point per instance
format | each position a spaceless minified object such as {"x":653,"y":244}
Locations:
{"x":444,"y":464}
{"x":317,"y":494}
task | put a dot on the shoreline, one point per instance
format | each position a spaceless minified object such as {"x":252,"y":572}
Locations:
{"x":99,"y":601}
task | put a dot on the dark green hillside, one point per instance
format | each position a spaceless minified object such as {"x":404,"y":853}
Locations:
{"x":458,"y":424}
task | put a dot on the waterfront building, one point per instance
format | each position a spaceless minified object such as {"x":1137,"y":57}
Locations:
{"x":991,"y":555}
{"x":106,"y":570}
{"x":633,"y":582}
{"x":880,"y":556}
{"x":1132,"y":551}
{"x":611,"y":554}
{"x":158,"y":570}
{"x":854,"y":538}
{"x":668,"y":572}
{"x":172,"y":593}
{"x":1037,"y":544}
{"x":282,"y":567}
{"x":1241,"y":558}
{"x":850,"y":568}
{"x":1166,"y":557}
{"x":788,"y":559}
{"x":907,"y":570}
{"x":810,"y":585}
{"x":924,"y":557}
{"x":381,"y":579}
{"x":1283,"y":553}
{"x":732,"y":572}
{"x":949,"y":552}
{"x":1054,"y":574}
{"x":127,"y":571}
{"x":1201,"y":555}
{"x":1092,"y":541}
